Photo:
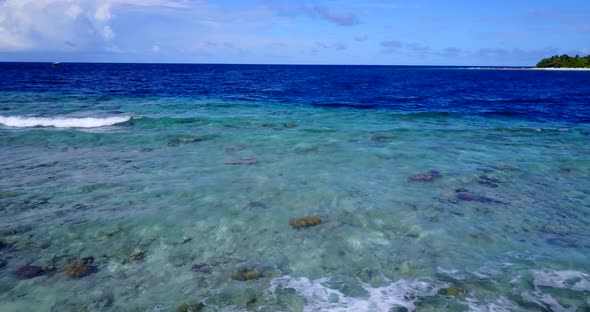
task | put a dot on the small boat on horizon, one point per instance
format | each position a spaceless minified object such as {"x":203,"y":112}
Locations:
{"x":56,"y":64}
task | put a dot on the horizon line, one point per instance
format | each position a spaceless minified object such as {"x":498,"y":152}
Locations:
{"x":261,"y":64}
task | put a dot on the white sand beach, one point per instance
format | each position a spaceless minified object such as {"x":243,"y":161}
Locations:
{"x":562,"y":68}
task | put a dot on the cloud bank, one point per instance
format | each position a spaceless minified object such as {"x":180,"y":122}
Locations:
{"x":64,"y":24}
{"x":323,"y":12}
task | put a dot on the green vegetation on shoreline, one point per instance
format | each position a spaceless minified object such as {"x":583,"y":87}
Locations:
{"x":565,"y":61}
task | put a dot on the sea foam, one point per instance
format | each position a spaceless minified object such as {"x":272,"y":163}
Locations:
{"x":546,"y":302}
{"x":567,"y":279}
{"x":61,"y":122}
{"x":401,"y":293}
{"x":501,"y":304}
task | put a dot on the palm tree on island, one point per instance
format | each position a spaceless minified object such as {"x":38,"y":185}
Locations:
{"x":564,"y":61}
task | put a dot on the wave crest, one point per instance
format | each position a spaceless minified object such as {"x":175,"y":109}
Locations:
{"x":402,"y":293}
{"x":60,"y":122}
{"x":567,"y":279}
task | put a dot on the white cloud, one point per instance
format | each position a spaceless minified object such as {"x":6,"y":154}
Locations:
{"x":113,"y":49}
{"x":12,"y":42}
{"x":103,"y":13}
{"x":73,"y":11}
{"x":107,"y":32}
{"x":156,"y":48}
{"x":62,"y":24}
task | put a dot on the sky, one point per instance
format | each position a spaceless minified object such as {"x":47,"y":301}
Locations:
{"x":420,"y":32}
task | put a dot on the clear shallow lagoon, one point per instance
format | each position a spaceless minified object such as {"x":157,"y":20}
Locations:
{"x":169,"y":207}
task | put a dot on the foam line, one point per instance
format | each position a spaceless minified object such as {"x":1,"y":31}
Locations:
{"x":59,"y":122}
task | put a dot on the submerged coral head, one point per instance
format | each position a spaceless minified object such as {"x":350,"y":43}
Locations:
{"x":305,"y":222}
{"x":80,"y":268}
{"x":29,"y":271}
{"x":247,"y":275}
{"x":425,"y":177}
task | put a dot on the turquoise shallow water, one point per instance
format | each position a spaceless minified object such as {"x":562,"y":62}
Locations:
{"x":127,"y":187}
{"x":503,"y":227}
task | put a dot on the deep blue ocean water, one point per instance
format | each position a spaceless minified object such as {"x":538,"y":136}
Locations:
{"x":438,"y":188}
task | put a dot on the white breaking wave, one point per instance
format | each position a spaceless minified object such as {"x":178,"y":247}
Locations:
{"x":501,"y":304}
{"x":401,"y":293}
{"x":546,"y":301}
{"x":567,"y":279}
{"x":61,"y":122}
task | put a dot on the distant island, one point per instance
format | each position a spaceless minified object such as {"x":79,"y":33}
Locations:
{"x":565,"y":61}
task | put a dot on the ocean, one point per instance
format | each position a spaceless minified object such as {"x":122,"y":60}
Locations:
{"x":173,"y":187}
